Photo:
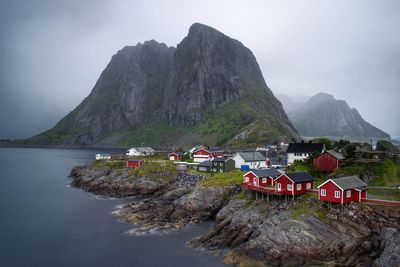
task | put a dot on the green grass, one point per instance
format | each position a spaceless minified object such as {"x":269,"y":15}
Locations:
{"x":387,"y":194}
{"x":386,"y":172}
{"x":234,"y":177}
{"x":164,"y":170}
{"x":115,"y":164}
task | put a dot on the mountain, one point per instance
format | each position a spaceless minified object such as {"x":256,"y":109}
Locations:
{"x":209,"y":89}
{"x":324,"y":116}
{"x":291,"y":103}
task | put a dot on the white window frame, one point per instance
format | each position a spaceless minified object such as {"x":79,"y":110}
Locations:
{"x":255,"y":181}
{"x":221,"y":170}
{"x":264,"y":180}
{"x":337,"y":194}
{"x":246,"y":179}
{"x":308,"y":186}
{"x":279,"y":186}
{"x":348,"y":193}
{"x":298,"y":187}
{"x":290,"y":187}
{"x":323,"y":192}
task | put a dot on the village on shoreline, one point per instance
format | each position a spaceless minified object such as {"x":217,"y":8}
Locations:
{"x":338,"y":202}
{"x":335,"y":172}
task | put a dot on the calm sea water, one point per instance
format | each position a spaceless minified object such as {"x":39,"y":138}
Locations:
{"x":44,"y":222}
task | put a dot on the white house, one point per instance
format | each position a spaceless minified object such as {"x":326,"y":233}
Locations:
{"x":140,"y":151}
{"x":301,"y":151}
{"x":103,"y":156}
{"x":254,"y":160}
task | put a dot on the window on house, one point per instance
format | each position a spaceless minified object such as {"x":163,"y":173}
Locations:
{"x":289,"y":187}
{"x":221,"y":170}
{"x":215,"y":164}
{"x":221,"y":164}
{"x":348,"y":193}
{"x":323,"y":192}
{"x":337,"y":194}
{"x":246,"y":179}
{"x":264,"y":180}
{"x":298,"y":186}
{"x":308,"y":186}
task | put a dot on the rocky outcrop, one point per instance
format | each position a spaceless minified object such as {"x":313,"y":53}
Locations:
{"x":251,"y":232}
{"x":258,"y":235}
{"x":164,"y":201}
{"x":176,"y":208}
{"x":150,"y":86}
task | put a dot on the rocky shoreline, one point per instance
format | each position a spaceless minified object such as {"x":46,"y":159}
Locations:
{"x":248,"y":232}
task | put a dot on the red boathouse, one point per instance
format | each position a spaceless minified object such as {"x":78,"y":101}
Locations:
{"x":294,"y":183}
{"x":328,"y":161}
{"x":134,"y":163}
{"x":175,"y":156}
{"x":343,"y":190}
{"x":261,"y":177}
{"x":203,"y":154}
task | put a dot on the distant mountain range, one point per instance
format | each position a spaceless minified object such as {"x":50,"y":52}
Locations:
{"x":324,"y":116}
{"x":208,"y":90}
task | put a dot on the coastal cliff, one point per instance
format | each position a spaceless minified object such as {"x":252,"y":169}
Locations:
{"x":250,"y":232}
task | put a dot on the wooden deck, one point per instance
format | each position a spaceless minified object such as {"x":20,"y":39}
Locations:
{"x":265,"y":190}
{"x":384,"y":202}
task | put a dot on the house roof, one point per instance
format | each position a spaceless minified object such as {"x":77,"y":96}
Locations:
{"x":206,"y":163}
{"x":350,"y":182}
{"x":299,"y":177}
{"x":214,"y":149}
{"x":337,"y":155}
{"x":135,"y":160}
{"x":221,"y":159}
{"x":252,"y":156}
{"x":272,"y":172}
{"x":103,"y":154}
{"x":305,"y":147}
{"x":142,"y":149}
{"x":177,"y":153}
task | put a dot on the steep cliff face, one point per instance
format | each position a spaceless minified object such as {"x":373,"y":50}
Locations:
{"x":323,"y":115}
{"x":151,"y":88}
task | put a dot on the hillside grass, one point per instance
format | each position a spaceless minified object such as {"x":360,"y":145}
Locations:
{"x":385,"y":173}
{"x":234,"y":177}
{"x":113,"y":164}
{"x":387,"y":194}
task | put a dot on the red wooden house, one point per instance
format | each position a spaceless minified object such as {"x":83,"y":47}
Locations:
{"x":203,"y":154}
{"x":261,"y":177}
{"x":328,"y":161}
{"x":294,"y":183}
{"x":343,"y":190}
{"x":134,"y":163}
{"x":175,"y":156}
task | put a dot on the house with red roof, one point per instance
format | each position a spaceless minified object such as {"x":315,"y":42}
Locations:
{"x":203,"y":154}
{"x":175,"y":156}
{"x":134,"y":163}
{"x":328,"y":161}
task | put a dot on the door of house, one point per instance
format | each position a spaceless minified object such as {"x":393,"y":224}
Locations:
{"x":255,"y":181}
{"x":279,"y":186}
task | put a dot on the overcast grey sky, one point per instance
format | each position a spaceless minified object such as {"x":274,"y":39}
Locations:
{"x":52,"y":52}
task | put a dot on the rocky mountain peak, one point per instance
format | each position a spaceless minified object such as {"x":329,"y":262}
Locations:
{"x":324,"y":116}
{"x":210,"y":83}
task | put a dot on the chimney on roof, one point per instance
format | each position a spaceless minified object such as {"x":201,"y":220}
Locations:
{"x":310,"y":142}
{"x":302,"y":141}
